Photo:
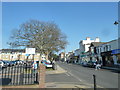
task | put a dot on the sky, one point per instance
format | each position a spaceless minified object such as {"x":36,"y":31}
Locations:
{"x":77,"y":20}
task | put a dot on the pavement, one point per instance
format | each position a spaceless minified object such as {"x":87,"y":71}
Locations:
{"x":111,"y":68}
{"x":57,"y":71}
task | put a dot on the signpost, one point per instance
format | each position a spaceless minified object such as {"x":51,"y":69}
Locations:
{"x":29,"y":51}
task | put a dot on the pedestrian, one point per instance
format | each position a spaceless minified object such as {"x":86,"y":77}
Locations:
{"x":98,"y":65}
{"x":34,"y":68}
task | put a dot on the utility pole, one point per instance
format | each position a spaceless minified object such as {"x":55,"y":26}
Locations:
{"x":118,"y":23}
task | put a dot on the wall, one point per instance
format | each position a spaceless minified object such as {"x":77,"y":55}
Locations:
{"x":77,"y":52}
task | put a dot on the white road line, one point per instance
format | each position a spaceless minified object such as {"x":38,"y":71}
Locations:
{"x":75,"y":76}
{"x":67,"y":74}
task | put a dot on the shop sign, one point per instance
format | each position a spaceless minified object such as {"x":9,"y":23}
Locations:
{"x":116,"y":51}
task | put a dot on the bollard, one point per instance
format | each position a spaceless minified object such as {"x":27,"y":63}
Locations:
{"x":94,"y":77}
{"x":42,"y":76}
{"x":36,"y":80}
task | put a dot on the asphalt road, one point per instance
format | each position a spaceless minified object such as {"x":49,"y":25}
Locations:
{"x":77,"y":74}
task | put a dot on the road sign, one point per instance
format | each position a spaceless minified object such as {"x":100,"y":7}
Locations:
{"x":30,"y":50}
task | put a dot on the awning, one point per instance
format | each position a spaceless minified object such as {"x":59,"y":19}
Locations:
{"x":116,"y":51}
{"x":108,"y":53}
{"x":83,"y":55}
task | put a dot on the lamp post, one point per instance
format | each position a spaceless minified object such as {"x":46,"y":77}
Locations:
{"x":118,"y":23}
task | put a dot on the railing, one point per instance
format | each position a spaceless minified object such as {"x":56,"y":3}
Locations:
{"x":19,"y":74}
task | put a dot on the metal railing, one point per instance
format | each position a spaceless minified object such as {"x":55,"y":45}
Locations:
{"x":19,"y":74}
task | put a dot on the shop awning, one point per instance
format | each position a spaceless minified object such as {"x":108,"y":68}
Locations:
{"x":116,"y":51}
{"x":83,"y":55}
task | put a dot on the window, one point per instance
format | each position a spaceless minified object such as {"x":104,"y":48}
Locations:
{"x":100,"y":50}
{"x":104,"y":49}
{"x":107,"y":48}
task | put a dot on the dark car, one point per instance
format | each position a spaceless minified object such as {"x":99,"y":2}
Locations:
{"x":91,"y":63}
{"x":12,"y":63}
{"x":7,"y":62}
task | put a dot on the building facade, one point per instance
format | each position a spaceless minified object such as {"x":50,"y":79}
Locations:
{"x":84,"y":48}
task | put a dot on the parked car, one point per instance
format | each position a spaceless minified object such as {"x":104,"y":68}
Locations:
{"x":91,"y":63}
{"x":19,"y":62}
{"x":12,"y":63}
{"x":3,"y":64}
{"x":84,"y":63}
{"x":47,"y":63}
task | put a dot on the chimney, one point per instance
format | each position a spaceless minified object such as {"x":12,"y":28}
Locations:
{"x":87,"y":38}
{"x":97,"y":39}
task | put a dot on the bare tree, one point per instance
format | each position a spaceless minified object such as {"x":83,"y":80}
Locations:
{"x":46,"y":37}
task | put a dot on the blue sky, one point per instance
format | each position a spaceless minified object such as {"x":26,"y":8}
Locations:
{"x":77,"y":20}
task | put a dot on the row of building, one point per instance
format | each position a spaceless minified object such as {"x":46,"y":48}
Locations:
{"x":19,"y":54}
{"x":107,"y":52}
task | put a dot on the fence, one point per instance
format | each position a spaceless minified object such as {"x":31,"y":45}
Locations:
{"x":19,"y":74}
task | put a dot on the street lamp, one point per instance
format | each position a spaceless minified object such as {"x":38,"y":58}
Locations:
{"x":116,"y":22}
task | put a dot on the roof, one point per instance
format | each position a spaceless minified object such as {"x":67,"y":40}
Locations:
{"x":12,"y":50}
{"x":112,"y":40}
{"x":97,"y":43}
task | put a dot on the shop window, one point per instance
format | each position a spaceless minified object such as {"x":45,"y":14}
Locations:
{"x":109,"y":48}
{"x":100,"y":50}
{"x":97,"y":50}
{"x":104,"y":49}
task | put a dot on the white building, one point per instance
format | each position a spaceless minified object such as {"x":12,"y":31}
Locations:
{"x":85,"y":44}
{"x":77,"y":52}
{"x":105,"y":52}
{"x":84,"y":47}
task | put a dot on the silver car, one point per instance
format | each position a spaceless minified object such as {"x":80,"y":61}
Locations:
{"x":3,"y":64}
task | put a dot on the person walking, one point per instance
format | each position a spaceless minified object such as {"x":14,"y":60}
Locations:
{"x":98,"y":65}
{"x":34,"y":68}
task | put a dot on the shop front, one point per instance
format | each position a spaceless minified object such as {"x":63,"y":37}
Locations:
{"x":107,"y":59}
{"x":116,"y":56}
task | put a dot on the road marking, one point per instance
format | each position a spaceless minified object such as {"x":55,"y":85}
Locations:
{"x":67,"y":74}
{"x":75,"y":76}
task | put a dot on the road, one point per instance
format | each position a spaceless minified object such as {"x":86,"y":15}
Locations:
{"x":77,"y":75}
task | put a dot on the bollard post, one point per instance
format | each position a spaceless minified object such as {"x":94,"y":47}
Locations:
{"x":94,"y":77}
{"x":42,"y":76}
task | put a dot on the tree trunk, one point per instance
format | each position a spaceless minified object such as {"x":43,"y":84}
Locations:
{"x":47,"y":54}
